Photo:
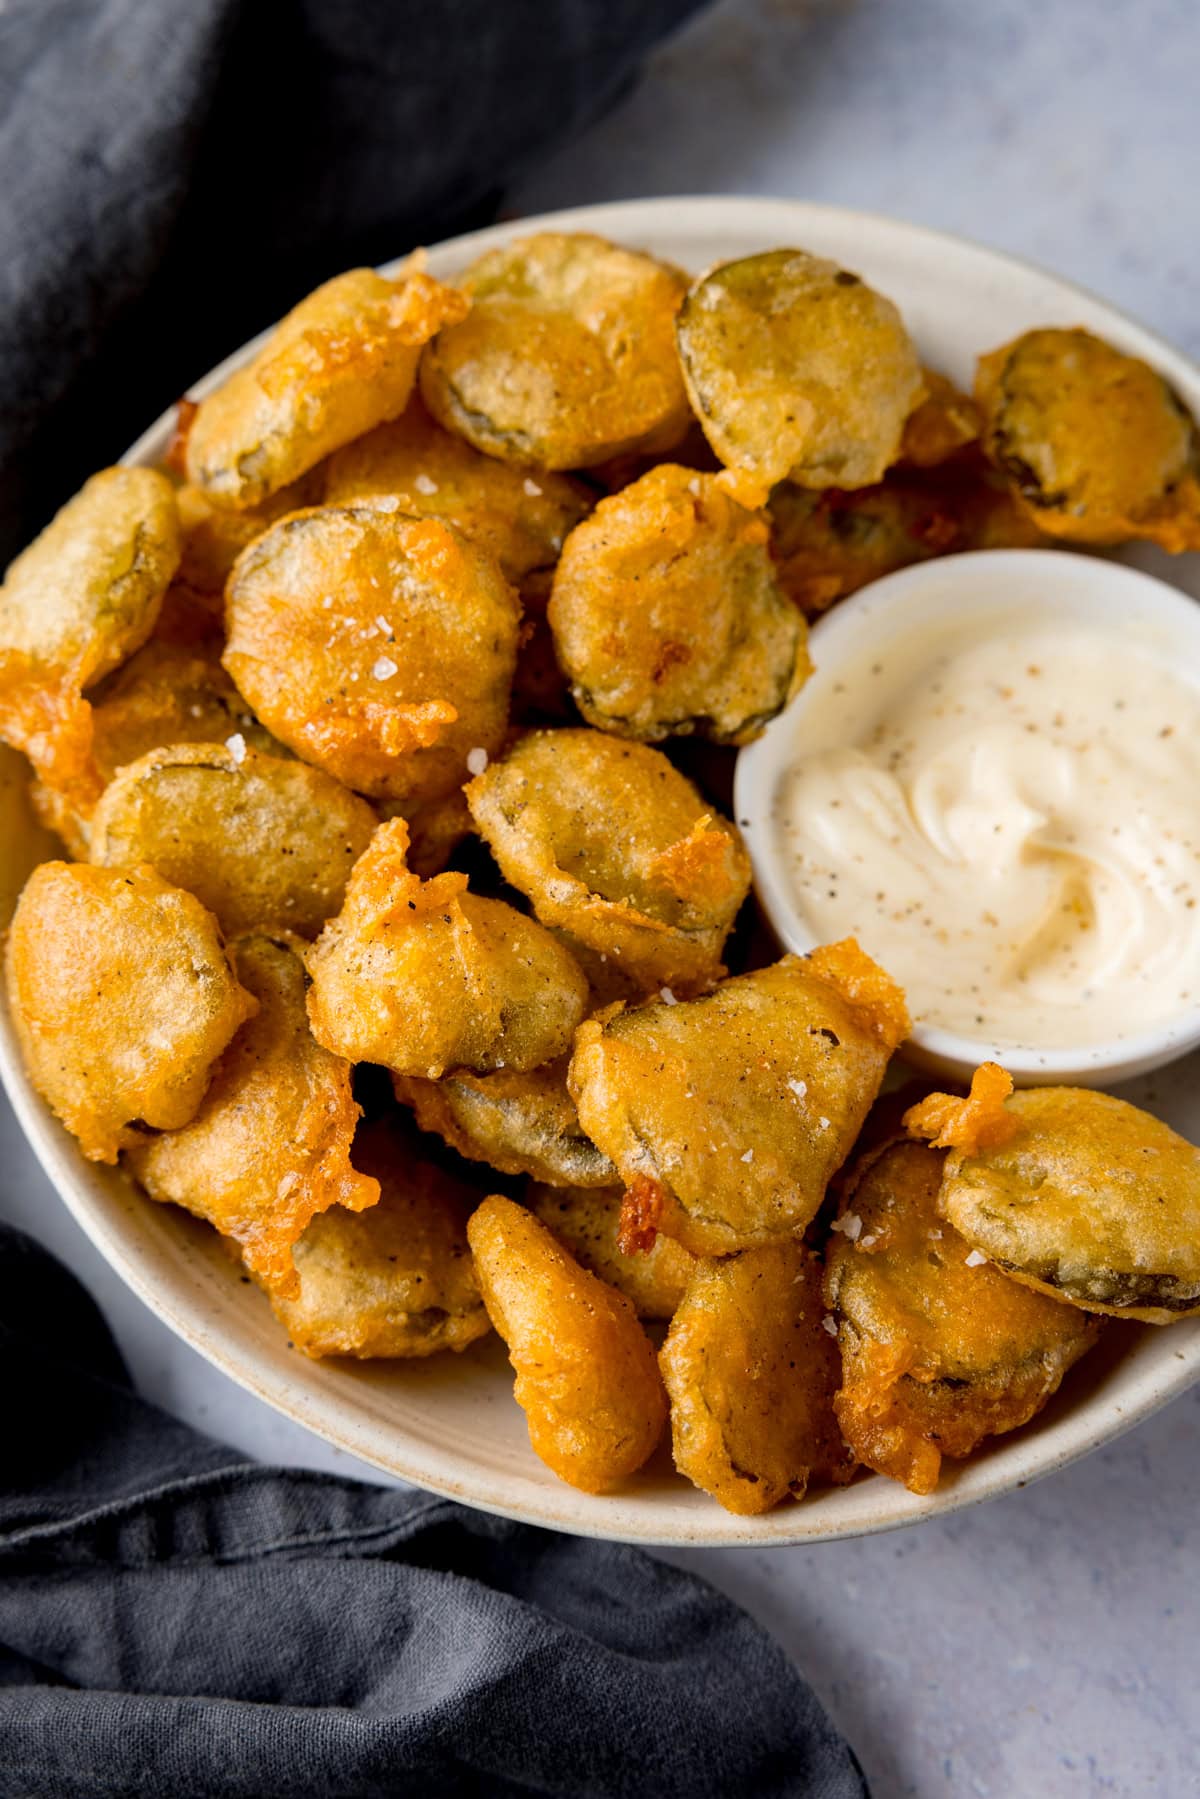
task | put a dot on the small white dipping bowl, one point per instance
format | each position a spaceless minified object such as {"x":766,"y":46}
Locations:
{"x":1064,"y":584}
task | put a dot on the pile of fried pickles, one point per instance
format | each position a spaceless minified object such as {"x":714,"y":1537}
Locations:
{"x":387,"y":941}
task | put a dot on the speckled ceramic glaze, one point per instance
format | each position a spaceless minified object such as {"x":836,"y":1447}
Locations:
{"x":450,"y":1424}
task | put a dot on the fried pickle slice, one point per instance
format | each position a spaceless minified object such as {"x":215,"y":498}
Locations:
{"x":617,"y":850}
{"x":668,"y":618}
{"x":269,"y":1147}
{"x":341,"y":362}
{"x":379,"y":647}
{"x":74,"y":605}
{"x":1073,"y":1192}
{"x":587,"y":1378}
{"x":423,"y":976}
{"x":166,"y":693}
{"x":727,"y":1115}
{"x":945,"y":423}
{"x":751,"y":1375}
{"x":567,"y":356}
{"x":1094,"y":444}
{"x":797,"y":370}
{"x":122,"y":998}
{"x":520,"y":515}
{"x":213,"y":536}
{"x":587,"y":1222}
{"x":260,"y":841}
{"x":939,"y":1350}
{"x":396,"y":1279}
{"x":829,"y":544}
{"x":517,"y":1123}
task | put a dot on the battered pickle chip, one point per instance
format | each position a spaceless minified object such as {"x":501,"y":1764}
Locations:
{"x":214,"y":536}
{"x":939,"y":1350}
{"x":270,"y":1146}
{"x":797,"y":370}
{"x":587,"y":1221}
{"x":567,"y":356}
{"x":1076,"y":1193}
{"x":945,"y":423}
{"x":617,"y":850}
{"x":378,"y":646}
{"x":827,"y":545}
{"x":521,"y":516}
{"x":727,"y":1115}
{"x":587,"y":1378}
{"x":259,"y":840}
{"x":341,"y":362}
{"x":518,"y":1123}
{"x":423,"y":976}
{"x":751,"y":1376}
{"x":166,"y":693}
{"x":1094,"y":443}
{"x":122,"y":998}
{"x":396,"y":1279}
{"x":668,"y":618}
{"x":74,"y":605}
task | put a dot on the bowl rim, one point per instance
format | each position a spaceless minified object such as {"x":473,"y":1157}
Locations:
{"x":1021,"y":1458}
{"x":944,"y":584}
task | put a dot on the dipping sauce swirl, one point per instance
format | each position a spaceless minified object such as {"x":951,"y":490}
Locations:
{"x":1007,"y":816}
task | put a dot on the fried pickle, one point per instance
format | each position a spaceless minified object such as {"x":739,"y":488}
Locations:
{"x":214,"y":536}
{"x":378,"y":646}
{"x":258,"y":840}
{"x":617,"y":850}
{"x":727,"y":1115}
{"x":396,"y":1279}
{"x":945,"y":423}
{"x":797,"y":370}
{"x":938,"y":1349}
{"x":341,"y":362}
{"x":587,"y":1378}
{"x":517,"y":1123}
{"x":751,"y":1375}
{"x":587,"y":1222}
{"x":668,"y":618}
{"x":567,"y":356}
{"x":269,"y":1147}
{"x":122,"y":997}
{"x":74,"y":605}
{"x":423,"y":976}
{"x":1094,"y":444}
{"x":1073,"y":1192}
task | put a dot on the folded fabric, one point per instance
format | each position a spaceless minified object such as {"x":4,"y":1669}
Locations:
{"x":177,"y":1620}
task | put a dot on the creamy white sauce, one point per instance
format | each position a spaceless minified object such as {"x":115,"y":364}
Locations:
{"x":1009,"y":821}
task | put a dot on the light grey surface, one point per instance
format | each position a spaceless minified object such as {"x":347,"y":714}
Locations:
{"x":1043,"y":1646}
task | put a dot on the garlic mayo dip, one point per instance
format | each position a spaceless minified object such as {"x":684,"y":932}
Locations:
{"x":1004,"y":809}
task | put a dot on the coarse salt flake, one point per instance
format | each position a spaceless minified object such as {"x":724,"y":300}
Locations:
{"x":824,"y":1123}
{"x":532,"y":488}
{"x":850,"y":1225}
{"x":384,"y":669}
{"x":976,"y":1259}
{"x":236,"y":745}
{"x":384,"y":624}
{"x":477,"y":761}
{"x":749,"y":1156}
{"x":829,"y":1323}
{"x":667,"y":997}
{"x":423,"y":484}
{"x":799,"y":1088}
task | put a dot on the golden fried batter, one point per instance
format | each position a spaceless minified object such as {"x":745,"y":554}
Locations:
{"x":938,"y":1351}
{"x":520,"y":515}
{"x":378,"y":646}
{"x":728,"y":1114}
{"x":270,"y":1146}
{"x":668,"y":618}
{"x":1094,"y":443}
{"x":341,"y":362}
{"x":74,"y":605}
{"x":587,"y":1379}
{"x":435,"y":830}
{"x":423,"y":976}
{"x":259,"y":840}
{"x":396,"y":1279}
{"x":751,"y":1376}
{"x":586,"y":1221}
{"x":122,"y":998}
{"x":518,"y":1123}
{"x":797,"y":370}
{"x":1077,"y":1194}
{"x":617,"y":850}
{"x":945,"y":423}
{"x":567,"y":356}
{"x":214,"y":536}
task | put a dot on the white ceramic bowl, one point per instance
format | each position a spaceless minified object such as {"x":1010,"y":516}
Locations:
{"x":987,"y":585}
{"x":450,"y":1424}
